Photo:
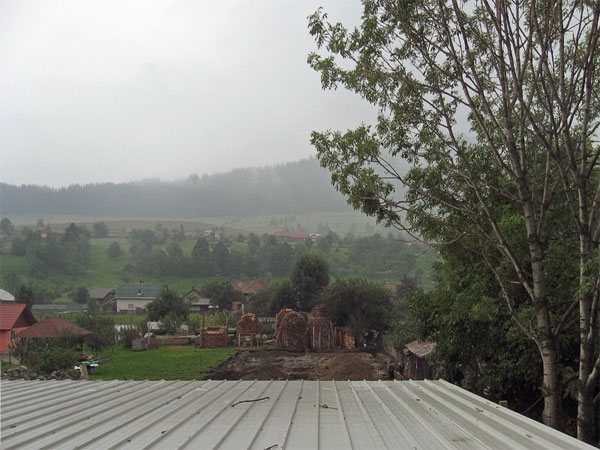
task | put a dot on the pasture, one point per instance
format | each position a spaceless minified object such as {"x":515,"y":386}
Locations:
{"x":182,"y":362}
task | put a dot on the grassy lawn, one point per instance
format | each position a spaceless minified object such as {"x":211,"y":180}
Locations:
{"x":164,"y":363}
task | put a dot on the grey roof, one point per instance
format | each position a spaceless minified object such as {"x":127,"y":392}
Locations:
{"x":141,"y":291}
{"x":263,"y":414}
{"x":101,"y":292}
{"x":421,"y":349}
{"x":6,"y":296}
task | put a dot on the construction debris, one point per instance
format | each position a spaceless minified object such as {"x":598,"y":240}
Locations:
{"x":22,"y":372}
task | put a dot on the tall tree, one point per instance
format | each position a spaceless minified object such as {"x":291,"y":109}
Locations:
{"x":220,"y":258}
{"x":202,"y":258}
{"x":6,"y":226}
{"x":221,"y":293}
{"x":100,"y":230}
{"x":309,"y":276}
{"x":358,"y":304}
{"x":114,"y":250}
{"x":168,"y":302}
{"x":494,"y":106}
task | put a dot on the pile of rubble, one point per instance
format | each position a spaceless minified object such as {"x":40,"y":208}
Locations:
{"x":23,"y":373}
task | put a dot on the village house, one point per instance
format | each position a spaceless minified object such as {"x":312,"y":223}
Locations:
{"x":13,"y":318}
{"x":249,"y":288}
{"x":105,"y":296}
{"x":198,"y":303}
{"x":132,"y":297}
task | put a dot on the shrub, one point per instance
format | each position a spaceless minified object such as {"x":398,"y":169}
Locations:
{"x":54,"y":358}
{"x":127,"y":335}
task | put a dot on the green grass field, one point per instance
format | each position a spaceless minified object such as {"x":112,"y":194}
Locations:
{"x":107,"y":272}
{"x":163,"y":363}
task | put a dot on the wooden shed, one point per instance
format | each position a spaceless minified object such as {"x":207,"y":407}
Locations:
{"x":415,"y":362}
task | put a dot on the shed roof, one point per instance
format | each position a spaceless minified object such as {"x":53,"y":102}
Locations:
{"x":131,"y":290}
{"x":420,"y":348}
{"x":263,"y":414}
{"x":10,"y":314}
{"x":101,"y":292}
{"x":52,"y":327}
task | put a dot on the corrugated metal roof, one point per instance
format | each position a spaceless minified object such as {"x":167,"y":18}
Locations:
{"x":263,"y":415}
{"x":131,"y":290}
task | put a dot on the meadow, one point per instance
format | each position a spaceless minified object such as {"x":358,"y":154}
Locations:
{"x":104,"y":271}
{"x":181,"y":362}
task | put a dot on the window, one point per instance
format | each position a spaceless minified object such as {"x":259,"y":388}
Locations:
{"x":131,"y":306}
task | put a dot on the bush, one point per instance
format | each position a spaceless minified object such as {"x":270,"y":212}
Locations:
{"x":54,"y":358}
{"x":103,"y":328}
{"x":127,"y":335}
{"x":171,"y":323}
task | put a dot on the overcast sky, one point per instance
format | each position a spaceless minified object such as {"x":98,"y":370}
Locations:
{"x":125,"y":90}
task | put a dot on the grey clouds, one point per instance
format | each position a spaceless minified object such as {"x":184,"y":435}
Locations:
{"x":118,"y":91}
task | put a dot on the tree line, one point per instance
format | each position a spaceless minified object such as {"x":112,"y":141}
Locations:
{"x":290,"y":188}
{"x":68,"y":253}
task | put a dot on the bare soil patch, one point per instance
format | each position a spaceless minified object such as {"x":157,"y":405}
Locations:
{"x":289,"y":365}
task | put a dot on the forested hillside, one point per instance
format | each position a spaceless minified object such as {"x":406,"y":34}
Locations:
{"x":291,"y":188}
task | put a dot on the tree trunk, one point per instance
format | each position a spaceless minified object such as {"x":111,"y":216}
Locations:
{"x":585,"y":416}
{"x":550,"y":385}
{"x":587,"y":344}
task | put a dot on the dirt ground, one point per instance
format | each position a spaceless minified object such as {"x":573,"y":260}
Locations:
{"x":286,"y":365}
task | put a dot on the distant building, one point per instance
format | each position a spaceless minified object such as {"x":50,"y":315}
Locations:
{"x":198,"y":303}
{"x":415,"y":362}
{"x":6,"y":296}
{"x":105,"y":296}
{"x":131,"y":297}
{"x":251,"y":288}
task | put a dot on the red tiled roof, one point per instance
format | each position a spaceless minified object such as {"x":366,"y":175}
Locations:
{"x":299,"y":235}
{"x":52,"y":327}
{"x":10,"y":315}
{"x":239,"y":285}
{"x":257,"y":285}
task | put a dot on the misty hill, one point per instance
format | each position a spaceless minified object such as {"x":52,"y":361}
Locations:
{"x":296,"y":187}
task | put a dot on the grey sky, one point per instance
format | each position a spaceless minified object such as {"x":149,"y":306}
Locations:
{"x":122,"y":90}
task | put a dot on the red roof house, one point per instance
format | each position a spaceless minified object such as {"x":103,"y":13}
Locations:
{"x":256,"y":285}
{"x":52,"y":327}
{"x":13,"y":317}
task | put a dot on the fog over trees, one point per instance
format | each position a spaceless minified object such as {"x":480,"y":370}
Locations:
{"x":293,"y":187}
